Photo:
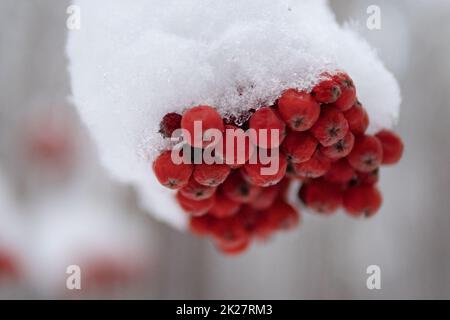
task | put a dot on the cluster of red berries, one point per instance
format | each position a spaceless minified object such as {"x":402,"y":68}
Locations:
{"x":321,"y":141}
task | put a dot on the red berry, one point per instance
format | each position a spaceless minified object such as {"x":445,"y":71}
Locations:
{"x":169,"y":174}
{"x":392,"y":146}
{"x":239,"y":190}
{"x":195,"y":207}
{"x":266,"y":198}
{"x":367,"y":153}
{"x":340,"y":172}
{"x":348,"y":92}
{"x":326,"y":91}
{"x":224,"y":207}
{"x":267,"y":125}
{"x":366,"y":178}
{"x":362,"y":200}
{"x":282,"y":215}
{"x":264,"y":227}
{"x":357,"y":118}
{"x":170,"y":123}
{"x":202,"y":225}
{"x":264,"y":175}
{"x":331,"y":126}
{"x":196,"y":191}
{"x":256,"y":222}
{"x":298,"y":109}
{"x":211,"y":175}
{"x":299,"y":146}
{"x":208,"y":117}
{"x":321,"y":196}
{"x":315,"y":167}
{"x":248,"y":216}
{"x":236,"y":147}
{"x":234,"y":249}
{"x":229,"y":231}
{"x":340,"y":149}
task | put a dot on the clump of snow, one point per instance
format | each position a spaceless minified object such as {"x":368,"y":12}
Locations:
{"x":133,"y":62}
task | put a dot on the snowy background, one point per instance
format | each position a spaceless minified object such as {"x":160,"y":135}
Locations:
{"x":58,"y":206}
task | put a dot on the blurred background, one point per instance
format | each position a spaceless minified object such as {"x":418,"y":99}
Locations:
{"x":58,"y":207}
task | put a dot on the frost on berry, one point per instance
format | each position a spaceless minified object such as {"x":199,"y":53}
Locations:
{"x":282,"y":215}
{"x":330,"y":127}
{"x":169,"y":174}
{"x":266,"y":198}
{"x":205,"y":118}
{"x":211,"y":175}
{"x":366,"y":178}
{"x":195,"y":207}
{"x":347,"y":97}
{"x":362,"y":200}
{"x":233,"y":249}
{"x":299,"y":146}
{"x":321,"y":196}
{"x":267,"y":172}
{"x":229,"y":231}
{"x":224,"y":206}
{"x":340,"y":149}
{"x":357,"y":118}
{"x":238,"y":189}
{"x":367,"y":153}
{"x":201,"y":225}
{"x":327,"y":90}
{"x":315,"y":167}
{"x":298,"y":109}
{"x":340,"y":172}
{"x":196,"y":191}
{"x":256,"y":222}
{"x":392,"y":146}
{"x":269,"y":128}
